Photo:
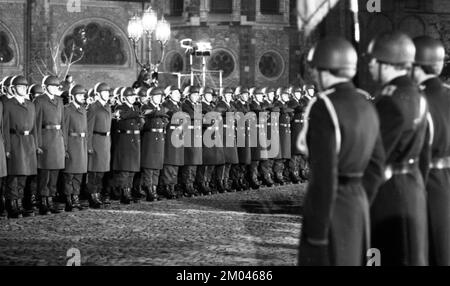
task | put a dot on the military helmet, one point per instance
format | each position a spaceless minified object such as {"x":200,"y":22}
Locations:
{"x":286,"y":90}
{"x":270,"y":89}
{"x":126,"y":92}
{"x":333,"y":53}
{"x":155,"y":91}
{"x":244,"y":90}
{"x":428,"y":51}
{"x":297,"y":89}
{"x":194,"y":89}
{"x":394,"y":48}
{"x":205,"y":90}
{"x":101,"y":86}
{"x":50,"y":80}
{"x":77,"y":89}
{"x":259,"y":90}
{"x":116,"y":92}
{"x":35,"y":89}
{"x":227,"y":90}
{"x":90,"y":93}
{"x":142,"y":91}
{"x":19,"y":80}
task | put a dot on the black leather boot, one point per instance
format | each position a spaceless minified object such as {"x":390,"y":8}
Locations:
{"x":76,"y":203}
{"x":106,"y":200}
{"x":69,"y":204}
{"x":151,"y":193}
{"x":2,"y":207}
{"x":94,"y":201}
{"x":43,"y":206}
{"x":52,"y":206}
{"x":126,"y":196}
{"x":13,"y":208}
{"x":279,"y":179}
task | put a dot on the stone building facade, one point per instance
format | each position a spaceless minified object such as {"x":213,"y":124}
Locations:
{"x":255,"y":42}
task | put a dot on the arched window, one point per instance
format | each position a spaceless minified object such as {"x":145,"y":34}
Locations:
{"x":271,"y":65}
{"x":6,"y":53}
{"x":94,"y":44}
{"x":221,"y":60}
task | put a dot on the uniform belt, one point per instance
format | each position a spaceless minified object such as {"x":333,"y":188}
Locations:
{"x":440,"y":163}
{"x":298,"y":121}
{"x":191,"y":127}
{"x":157,"y":130}
{"x":403,"y":168}
{"x":24,"y":132}
{"x":351,"y":178}
{"x":212,"y":128}
{"x":285,"y":125}
{"x":106,"y":134}
{"x":129,"y":132}
{"x":173,"y":127}
{"x":75,"y":134}
{"x":52,"y":127}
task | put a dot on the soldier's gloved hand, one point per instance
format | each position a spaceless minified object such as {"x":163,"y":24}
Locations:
{"x":39,"y":151}
{"x":8,"y":155}
{"x":90,"y":151}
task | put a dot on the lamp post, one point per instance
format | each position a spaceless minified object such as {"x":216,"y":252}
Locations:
{"x":149,"y":24}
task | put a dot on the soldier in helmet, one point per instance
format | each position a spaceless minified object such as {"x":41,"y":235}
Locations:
{"x":153,"y":141}
{"x":174,"y":145}
{"x":398,"y":213}
{"x":336,"y":210}
{"x":19,"y":131}
{"x":239,"y":172}
{"x":284,"y":133}
{"x":99,"y":145}
{"x":4,"y":96}
{"x":212,"y":149}
{"x":34,"y":91}
{"x":90,"y":97}
{"x":50,"y":140}
{"x":75,"y":135}
{"x":259,"y":151}
{"x":193,"y":140}
{"x":127,"y":144}
{"x":428,"y":65}
{"x":296,"y":126}
{"x":225,"y":107}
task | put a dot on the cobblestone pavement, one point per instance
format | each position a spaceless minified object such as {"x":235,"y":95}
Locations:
{"x":241,"y":229}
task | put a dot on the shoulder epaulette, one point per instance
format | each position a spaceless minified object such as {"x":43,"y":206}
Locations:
{"x":365,"y":93}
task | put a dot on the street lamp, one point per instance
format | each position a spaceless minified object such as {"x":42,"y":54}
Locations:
{"x":149,"y":24}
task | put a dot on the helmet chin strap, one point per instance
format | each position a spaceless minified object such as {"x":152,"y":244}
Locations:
{"x":321,"y":81}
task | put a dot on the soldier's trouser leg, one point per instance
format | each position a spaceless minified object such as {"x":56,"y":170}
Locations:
{"x":188,"y":174}
{"x":94,"y":182}
{"x":202,"y":179}
{"x":253,"y":174}
{"x":168,"y":180}
{"x":294,"y":168}
{"x":47,"y":180}
{"x":150,"y":178}
{"x":278,"y":168}
{"x":304,"y":168}
{"x":15,"y":186}
{"x":72,"y":184}
{"x":125,"y":179}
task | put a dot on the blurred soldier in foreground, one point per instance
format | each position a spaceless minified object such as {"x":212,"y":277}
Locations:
{"x":398,"y":212}
{"x":50,"y":140}
{"x":99,"y":144}
{"x":336,"y":207}
{"x":429,"y":62}
{"x":19,"y":131}
{"x":75,"y":136}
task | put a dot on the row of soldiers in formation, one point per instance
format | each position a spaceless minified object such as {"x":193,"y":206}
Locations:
{"x":119,"y":145}
{"x":379,"y":190}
